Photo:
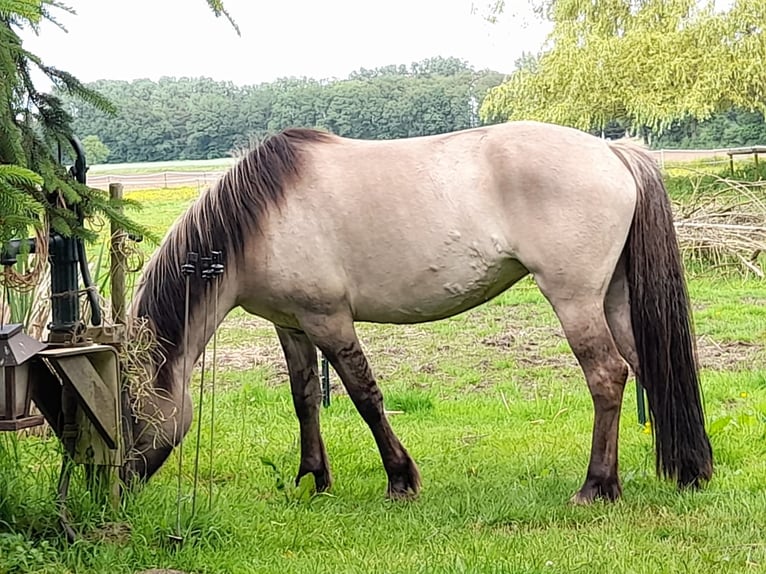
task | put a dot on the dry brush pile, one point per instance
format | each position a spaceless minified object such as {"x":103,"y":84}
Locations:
{"x":722,"y":227}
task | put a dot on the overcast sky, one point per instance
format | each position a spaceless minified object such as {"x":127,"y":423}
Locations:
{"x":128,"y":39}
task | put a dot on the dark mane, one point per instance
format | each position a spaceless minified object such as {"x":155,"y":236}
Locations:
{"x":221,"y":219}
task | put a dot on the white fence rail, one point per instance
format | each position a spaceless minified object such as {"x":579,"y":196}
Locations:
{"x":164,"y":179}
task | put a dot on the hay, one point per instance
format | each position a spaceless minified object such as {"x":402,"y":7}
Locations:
{"x":140,"y":360}
{"x":724,"y":229}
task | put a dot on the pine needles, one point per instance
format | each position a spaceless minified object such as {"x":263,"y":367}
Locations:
{"x":35,"y":126}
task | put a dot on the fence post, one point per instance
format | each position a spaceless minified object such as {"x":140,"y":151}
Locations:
{"x":107,"y":477}
{"x":117,"y":264}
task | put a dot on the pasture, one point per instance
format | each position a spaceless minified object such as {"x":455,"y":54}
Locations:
{"x":163,"y":166}
{"x":494,"y":409}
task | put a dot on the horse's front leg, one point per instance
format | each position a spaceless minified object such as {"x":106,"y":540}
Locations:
{"x":301,"y":356}
{"x":336,"y":337}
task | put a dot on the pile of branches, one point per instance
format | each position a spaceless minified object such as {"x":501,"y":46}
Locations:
{"x":723,"y":227}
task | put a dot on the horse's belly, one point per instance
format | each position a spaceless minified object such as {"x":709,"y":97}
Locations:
{"x":436,"y":289}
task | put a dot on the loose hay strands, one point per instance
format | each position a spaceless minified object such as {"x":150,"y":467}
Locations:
{"x":138,"y":362}
{"x":725,"y":227}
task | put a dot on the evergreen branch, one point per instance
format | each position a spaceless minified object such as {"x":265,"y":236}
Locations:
{"x":47,"y":15}
{"x":15,"y":200}
{"x":18,"y":176}
{"x":219,"y":10}
{"x":19,"y":209}
{"x":27,"y":10}
{"x":73,"y":86}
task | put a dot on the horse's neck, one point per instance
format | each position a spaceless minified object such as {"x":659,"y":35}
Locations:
{"x":203,"y":322}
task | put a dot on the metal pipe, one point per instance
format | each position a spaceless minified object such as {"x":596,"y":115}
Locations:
{"x":13,"y":248}
{"x":90,"y":288}
{"x":80,"y":168}
{"x":65,"y":302}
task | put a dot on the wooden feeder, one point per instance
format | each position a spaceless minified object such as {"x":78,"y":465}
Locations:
{"x":16,"y":349}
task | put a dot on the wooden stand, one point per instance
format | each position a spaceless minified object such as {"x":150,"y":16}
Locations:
{"x":78,"y":391}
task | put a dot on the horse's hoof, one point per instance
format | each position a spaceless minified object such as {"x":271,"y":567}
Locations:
{"x":593,"y":489}
{"x":405,"y":485}
{"x":402,"y":493}
{"x":322,"y":479}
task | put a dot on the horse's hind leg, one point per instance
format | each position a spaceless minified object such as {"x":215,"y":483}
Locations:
{"x":301,"y":356}
{"x":336,"y":337}
{"x":618,"y":316}
{"x":584,"y":322}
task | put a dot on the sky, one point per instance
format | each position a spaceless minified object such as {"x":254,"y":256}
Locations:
{"x":129,"y":39}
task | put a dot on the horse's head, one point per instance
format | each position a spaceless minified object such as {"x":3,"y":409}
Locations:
{"x":157,"y":413}
{"x":172,"y":289}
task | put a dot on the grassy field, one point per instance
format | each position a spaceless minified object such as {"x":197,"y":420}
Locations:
{"x":493,"y":408}
{"x":162,"y":166}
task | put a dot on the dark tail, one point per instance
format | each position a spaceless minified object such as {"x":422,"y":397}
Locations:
{"x":663,"y":329}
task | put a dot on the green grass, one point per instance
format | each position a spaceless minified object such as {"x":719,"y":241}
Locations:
{"x":492,"y":406}
{"x":684,"y":180}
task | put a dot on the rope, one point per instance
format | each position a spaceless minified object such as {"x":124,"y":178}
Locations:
{"x":26,"y":281}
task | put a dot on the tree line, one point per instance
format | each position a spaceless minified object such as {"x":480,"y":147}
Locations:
{"x":199,"y":118}
{"x":735,"y":127}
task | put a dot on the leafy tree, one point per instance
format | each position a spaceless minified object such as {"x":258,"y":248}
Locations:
{"x":95,"y":150}
{"x":645,"y":62}
{"x":440,"y":66}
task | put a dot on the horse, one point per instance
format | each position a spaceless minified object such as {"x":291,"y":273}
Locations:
{"x":319,"y":232}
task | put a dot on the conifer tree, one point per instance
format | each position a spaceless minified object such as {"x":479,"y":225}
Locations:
{"x":34,"y":187}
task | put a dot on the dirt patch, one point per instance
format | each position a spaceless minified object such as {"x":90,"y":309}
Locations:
{"x":427,"y":368}
{"x":503,"y":341}
{"x":533,"y":346}
{"x":390,"y":349}
{"x":237,"y":358}
{"x":729,"y":356}
{"x":528,"y":350}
